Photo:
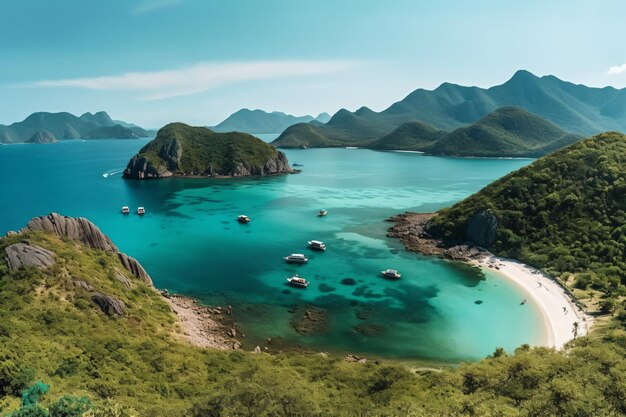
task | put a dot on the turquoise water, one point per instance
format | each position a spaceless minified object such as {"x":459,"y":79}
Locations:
{"x":190,"y":242}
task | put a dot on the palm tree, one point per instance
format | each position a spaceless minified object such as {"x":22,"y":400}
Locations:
{"x":575,"y":329}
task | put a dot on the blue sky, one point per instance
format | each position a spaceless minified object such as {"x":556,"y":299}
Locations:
{"x":155,"y":61}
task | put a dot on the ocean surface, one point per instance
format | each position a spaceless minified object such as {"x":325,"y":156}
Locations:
{"x":190,"y":242}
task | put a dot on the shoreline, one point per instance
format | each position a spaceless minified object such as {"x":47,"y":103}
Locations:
{"x":558,"y":308}
{"x":201,"y":325}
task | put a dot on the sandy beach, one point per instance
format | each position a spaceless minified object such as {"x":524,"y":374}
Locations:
{"x":557,"y":307}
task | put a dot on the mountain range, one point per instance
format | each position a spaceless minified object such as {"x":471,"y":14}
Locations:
{"x":574,"y":108}
{"x":507,"y":131}
{"x":43,"y":127}
{"x":259,"y":121}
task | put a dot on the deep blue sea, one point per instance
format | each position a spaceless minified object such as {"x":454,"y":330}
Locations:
{"x":190,"y":242}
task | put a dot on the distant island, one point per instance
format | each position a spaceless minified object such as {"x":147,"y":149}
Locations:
{"x":182,"y":150}
{"x":259,"y":121}
{"x":46,"y":127}
{"x":574,"y":108}
{"x":505,"y":132}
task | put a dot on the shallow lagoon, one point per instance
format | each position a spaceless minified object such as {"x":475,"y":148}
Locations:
{"x":190,"y":242}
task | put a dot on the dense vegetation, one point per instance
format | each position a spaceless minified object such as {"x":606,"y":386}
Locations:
{"x":259,"y":121}
{"x":508,"y":131}
{"x":51,"y":331}
{"x":565,"y":213}
{"x":574,"y":108}
{"x":189,"y":150}
{"x":67,"y":126}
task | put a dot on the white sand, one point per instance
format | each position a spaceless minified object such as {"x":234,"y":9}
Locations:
{"x":559,"y":311}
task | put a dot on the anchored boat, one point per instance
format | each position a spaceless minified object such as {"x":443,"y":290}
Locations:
{"x":391,"y":274}
{"x":125,"y":210}
{"x":317,"y":245}
{"x":322,"y":212}
{"x":296,"y":258}
{"x":141,"y":211}
{"x":297,"y":281}
{"x":243,"y":218}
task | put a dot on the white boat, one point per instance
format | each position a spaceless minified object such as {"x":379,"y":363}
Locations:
{"x":391,"y":274}
{"x":317,"y":245}
{"x":296,"y":258}
{"x":242,"y":218}
{"x":125,"y":210}
{"x":322,"y":212}
{"x":141,"y":210}
{"x":297,"y":281}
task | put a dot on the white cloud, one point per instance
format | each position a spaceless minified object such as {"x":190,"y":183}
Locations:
{"x":617,"y":69}
{"x":197,"y":78}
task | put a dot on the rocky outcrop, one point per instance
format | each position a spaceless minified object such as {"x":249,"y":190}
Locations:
{"x":23,"y":254}
{"x":111,"y":306}
{"x":482,"y":228}
{"x":83,"y":230}
{"x":83,"y":284}
{"x":132,"y":265}
{"x":41,"y":137}
{"x":140,"y":167}
{"x":72,"y":228}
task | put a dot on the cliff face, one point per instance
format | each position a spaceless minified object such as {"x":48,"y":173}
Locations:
{"x":183,"y":150}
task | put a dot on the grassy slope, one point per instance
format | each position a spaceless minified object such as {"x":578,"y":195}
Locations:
{"x":566,"y":213}
{"x":51,"y":327}
{"x":409,"y":136}
{"x":203,"y":148}
{"x":508,"y":131}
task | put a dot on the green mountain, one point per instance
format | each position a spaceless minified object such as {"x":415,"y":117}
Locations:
{"x":183,"y":150}
{"x":574,"y":108}
{"x":508,"y":131}
{"x":67,"y":126}
{"x":408,"y":136}
{"x":565,"y":213}
{"x":259,"y":121}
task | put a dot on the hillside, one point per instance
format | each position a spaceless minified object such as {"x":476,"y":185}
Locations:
{"x":508,"y":131}
{"x":574,"y":108}
{"x":183,"y":150}
{"x":410,"y":136}
{"x":564,"y":213}
{"x":67,"y":126}
{"x":79,"y":316}
{"x":259,"y":121}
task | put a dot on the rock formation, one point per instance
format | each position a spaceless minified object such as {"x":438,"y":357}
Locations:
{"x":111,"y":306}
{"x":72,"y":228}
{"x":88,"y":233}
{"x":23,"y":254}
{"x":482,"y":228}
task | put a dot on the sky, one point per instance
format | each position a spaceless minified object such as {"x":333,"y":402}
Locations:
{"x":152,"y":62}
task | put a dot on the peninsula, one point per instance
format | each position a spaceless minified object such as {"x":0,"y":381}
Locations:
{"x":563,"y":215}
{"x":187,"y":151}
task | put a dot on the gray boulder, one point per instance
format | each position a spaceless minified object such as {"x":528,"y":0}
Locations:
{"x":132,"y":265}
{"x":482,"y":229}
{"x":72,"y":228}
{"x":111,"y":306}
{"x":22,"y":254}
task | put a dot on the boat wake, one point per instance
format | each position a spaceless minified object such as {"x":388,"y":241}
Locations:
{"x":112,"y":172}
